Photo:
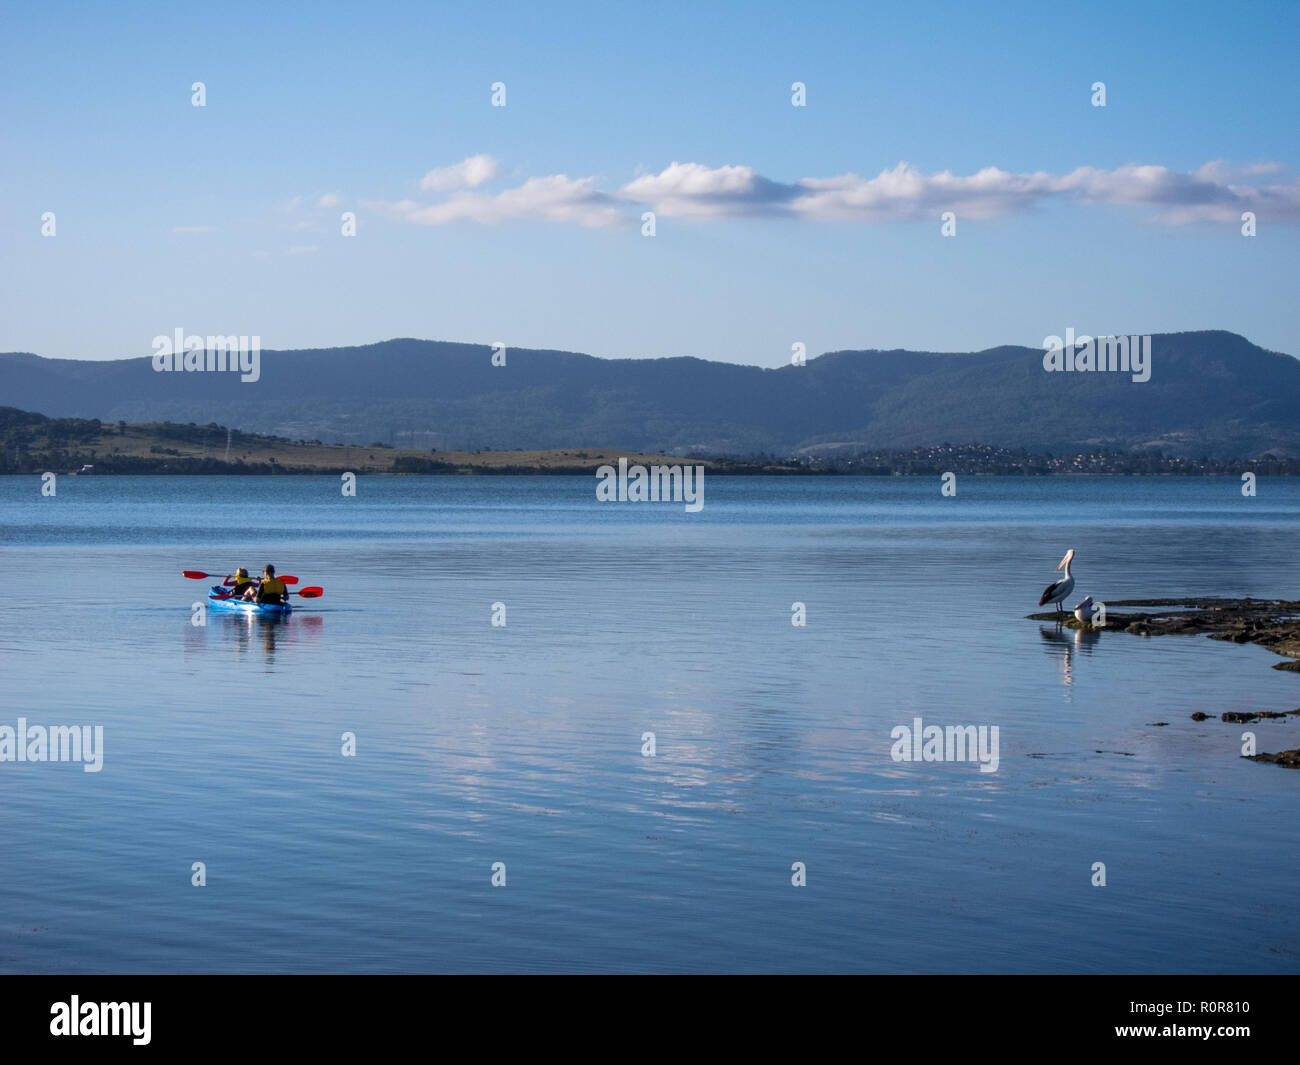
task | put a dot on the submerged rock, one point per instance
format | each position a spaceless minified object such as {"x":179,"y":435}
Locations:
{"x":1245,"y":717}
{"x":1290,"y":759}
{"x":1271,"y":623}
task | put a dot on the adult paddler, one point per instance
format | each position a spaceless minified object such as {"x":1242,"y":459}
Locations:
{"x":272,"y":591}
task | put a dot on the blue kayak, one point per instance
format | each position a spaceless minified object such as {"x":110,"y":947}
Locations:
{"x":218,"y":600}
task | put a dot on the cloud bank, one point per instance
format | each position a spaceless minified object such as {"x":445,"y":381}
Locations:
{"x":1214,"y":192}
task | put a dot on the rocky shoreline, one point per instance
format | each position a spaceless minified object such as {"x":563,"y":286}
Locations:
{"x":1270,"y":623}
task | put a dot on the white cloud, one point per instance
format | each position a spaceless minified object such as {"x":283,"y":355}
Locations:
{"x":303,"y":249}
{"x":468,"y":174}
{"x":330,"y":199}
{"x":550,"y":199}
{"x":691,"y":189}
{"x":1215,"y":192}
{"x":906,"y":193}
{"x":1221,"y":171}
{"x":1203,"y":195}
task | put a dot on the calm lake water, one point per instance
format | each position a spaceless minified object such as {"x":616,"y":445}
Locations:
{"x":522,"y":744}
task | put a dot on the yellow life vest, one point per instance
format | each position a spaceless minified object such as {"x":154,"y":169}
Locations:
{"x":273,"y":586}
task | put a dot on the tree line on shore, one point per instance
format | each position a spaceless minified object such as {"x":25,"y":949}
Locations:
{"x":32,"y":443}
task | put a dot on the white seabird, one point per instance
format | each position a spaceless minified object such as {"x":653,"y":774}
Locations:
{"x":1083,"y":612}
{"x":1058,"y":590}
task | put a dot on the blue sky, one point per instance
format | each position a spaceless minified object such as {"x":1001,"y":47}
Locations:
{"x":775,"y":226}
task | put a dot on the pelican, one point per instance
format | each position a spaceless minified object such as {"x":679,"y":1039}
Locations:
{"x":1083,"y":612}
{"x":1058,"y":590}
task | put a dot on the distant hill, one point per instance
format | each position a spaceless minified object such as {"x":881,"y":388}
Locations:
{"x":1211,"y":393}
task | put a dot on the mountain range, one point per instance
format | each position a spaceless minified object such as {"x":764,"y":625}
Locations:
{"x":1210,"y":393}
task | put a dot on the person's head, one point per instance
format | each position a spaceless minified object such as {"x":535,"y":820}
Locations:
{"x":269,"y":571}
{"x":241,"y":572}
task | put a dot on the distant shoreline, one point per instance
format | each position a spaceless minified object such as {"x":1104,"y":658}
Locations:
{"x":32,"y":444}
{"x":718,"y":468}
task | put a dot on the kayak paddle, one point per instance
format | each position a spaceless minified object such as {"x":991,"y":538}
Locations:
{"x":313,"y":592}
{"x":199,"y":575}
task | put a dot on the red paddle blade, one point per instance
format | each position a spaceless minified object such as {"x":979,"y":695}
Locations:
{"x":289,"y":580}
{"x":311,"y":593}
